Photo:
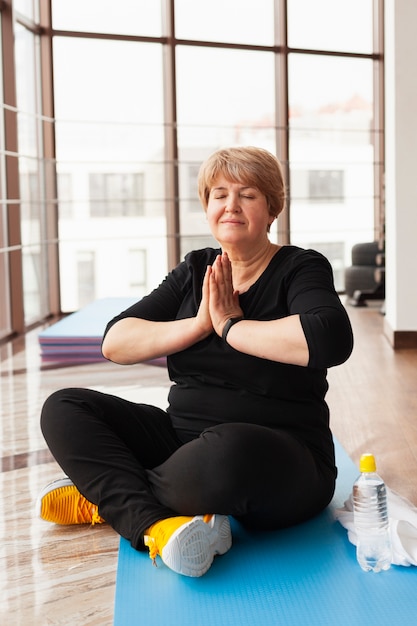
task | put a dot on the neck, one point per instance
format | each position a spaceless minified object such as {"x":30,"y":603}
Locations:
{"x":247,"y":266}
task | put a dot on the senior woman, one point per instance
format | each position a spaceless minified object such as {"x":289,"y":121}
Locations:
{"x":249,"y":330}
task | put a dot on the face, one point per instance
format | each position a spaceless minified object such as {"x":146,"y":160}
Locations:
{"x":237,"y":213}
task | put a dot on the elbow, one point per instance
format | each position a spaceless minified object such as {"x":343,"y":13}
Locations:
{"x":346,"y":352}
{"x":349,"y":348}
{"x":116,"y":349}
{"x":113,"y":345}
{"x":107,"y":345}
{"x":115,"y":356}
{"x":332,"y":353}
{"x":344,"y":345}
{"x":330,"y":340}
{"x":106,"y":350}
{"x":110,"y":348}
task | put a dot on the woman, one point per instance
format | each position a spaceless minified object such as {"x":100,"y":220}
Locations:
{"x":249,"y":331}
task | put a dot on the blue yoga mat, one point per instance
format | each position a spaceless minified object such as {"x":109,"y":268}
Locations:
{"x":306,"y":575}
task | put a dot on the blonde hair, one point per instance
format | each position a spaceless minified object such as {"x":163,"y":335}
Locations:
{"x":253,"y":166}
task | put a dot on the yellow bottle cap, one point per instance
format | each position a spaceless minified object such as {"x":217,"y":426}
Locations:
{"x":367,"y":463}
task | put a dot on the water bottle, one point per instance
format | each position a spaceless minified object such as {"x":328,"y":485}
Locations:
{"x":370,"y":511}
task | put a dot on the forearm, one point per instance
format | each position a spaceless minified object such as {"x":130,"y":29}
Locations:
{"x":133,"y":340}
{"x":280,"y":340}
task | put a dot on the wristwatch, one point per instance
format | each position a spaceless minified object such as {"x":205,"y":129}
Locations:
{"x":230,"y":322}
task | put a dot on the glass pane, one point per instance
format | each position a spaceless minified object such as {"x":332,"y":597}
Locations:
{"x":30,"y":200}
{"x":34,"y":281}
{"x":126,"y":17}
{"x":111,"y":81}
{"x":89,"y":140}
{"x":25,"y":59}
{"x":4,"y":295}
{"x":3,"y":188}
{"x":234,"y":106}
{"x":109,"y":207}
{"x":111,"y":171}
{"x":5,"y":326}
{"x":234,"y":21}
{"x":28,"y":129}
{"x":86,"y":276}
{"x":28,"y":8}
{"x":3,"y":225}
{"x":100,"y":265}
{"x":330,"y":25}
{"x":31,"y":177}
{"x":331,"y":155}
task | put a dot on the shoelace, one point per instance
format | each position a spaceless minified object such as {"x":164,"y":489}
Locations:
{"x":153,"y":549}
{"x":96,"y":518}
{"x":86,"y":509}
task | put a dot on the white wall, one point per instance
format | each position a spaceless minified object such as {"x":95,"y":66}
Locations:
{"x":401,"y":165}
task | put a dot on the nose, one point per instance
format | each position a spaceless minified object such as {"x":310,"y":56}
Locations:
{"x":232,"y":203}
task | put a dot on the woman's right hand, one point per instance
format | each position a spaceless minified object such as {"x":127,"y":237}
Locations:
{"x":203,"y":318}
{"x":134,"y":340}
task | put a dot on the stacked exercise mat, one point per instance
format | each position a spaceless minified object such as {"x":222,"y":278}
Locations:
{"x":77,"y":337}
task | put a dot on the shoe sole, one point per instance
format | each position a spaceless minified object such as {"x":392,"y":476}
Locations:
{"x":191,"y":549}
{"x":56,"y":484}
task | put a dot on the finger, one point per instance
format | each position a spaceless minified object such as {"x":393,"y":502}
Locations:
{"x":227,"y":268}
{"x":206,"y":281}
{"x":218,"y":269}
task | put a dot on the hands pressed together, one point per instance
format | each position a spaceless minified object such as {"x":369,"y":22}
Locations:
{"x":135,"y":340}
{"x":219,"y":300}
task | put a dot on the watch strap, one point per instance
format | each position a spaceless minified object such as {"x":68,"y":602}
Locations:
{"x":230,"y":322}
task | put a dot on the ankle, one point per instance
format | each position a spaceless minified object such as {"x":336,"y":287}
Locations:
{"x":188,"y":545}
{"x":159,"y":524}
{"x":159,"y":533}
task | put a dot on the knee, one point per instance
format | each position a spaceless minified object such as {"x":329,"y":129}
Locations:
{"x":52,"y":409}
{"x":236,"y":440}
{"x":233,"y":447}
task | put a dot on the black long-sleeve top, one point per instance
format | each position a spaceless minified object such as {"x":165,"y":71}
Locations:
{"x":214,"y":383}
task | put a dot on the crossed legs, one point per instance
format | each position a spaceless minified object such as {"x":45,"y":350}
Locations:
{"x":127,"y":459}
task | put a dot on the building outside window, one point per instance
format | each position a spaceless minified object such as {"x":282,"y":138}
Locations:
{"x":136,"y":108}
{"x":86,"y":277}
{"x":326,"y":185}
{"x":116,"y":194}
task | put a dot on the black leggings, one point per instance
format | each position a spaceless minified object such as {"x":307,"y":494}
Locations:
{"x":127,"y":459}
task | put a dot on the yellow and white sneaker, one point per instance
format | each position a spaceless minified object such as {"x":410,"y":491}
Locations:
{"x":188,"y":545}
{"x":60,"y":502}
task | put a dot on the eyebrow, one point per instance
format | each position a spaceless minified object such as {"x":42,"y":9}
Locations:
{"x":241,"y":188}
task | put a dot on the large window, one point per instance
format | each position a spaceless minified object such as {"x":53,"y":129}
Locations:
{"x":141,"y":96}
{"x":331,"y":137}
{"x":31,"y":169}
{"x":5,"y":321}
{"x":109,"y":107}
{"x":27,"y":172}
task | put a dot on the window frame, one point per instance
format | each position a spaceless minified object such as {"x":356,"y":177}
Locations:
{"x":12,"y":300}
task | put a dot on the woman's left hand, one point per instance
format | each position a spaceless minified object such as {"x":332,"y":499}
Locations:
{"x":223,"y":299}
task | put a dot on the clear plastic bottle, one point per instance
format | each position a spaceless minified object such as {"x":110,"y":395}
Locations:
{"x":373,"y":549}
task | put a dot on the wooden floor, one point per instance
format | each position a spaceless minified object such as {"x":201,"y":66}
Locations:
{"x":66,"y":575}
